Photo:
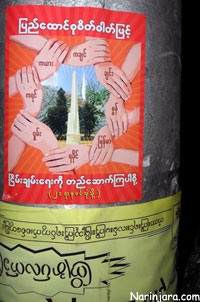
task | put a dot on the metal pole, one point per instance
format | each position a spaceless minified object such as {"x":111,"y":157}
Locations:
{"x":161,"y":164}
{"x":162,"y":87}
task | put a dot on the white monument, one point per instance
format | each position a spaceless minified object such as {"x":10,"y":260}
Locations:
{"x":83,"y":89}
{"x":73,"y":127}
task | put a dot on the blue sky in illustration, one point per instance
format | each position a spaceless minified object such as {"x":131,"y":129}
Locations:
{"x":63,"y":78}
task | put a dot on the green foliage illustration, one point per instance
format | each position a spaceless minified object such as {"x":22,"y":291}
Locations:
{"x":56,"y":106}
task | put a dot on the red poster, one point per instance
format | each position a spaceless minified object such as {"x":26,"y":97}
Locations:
{"x":74,"y":105}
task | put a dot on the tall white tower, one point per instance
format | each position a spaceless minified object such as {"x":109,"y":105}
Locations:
{"x":83,"y":88}
{"x":73,"y":127}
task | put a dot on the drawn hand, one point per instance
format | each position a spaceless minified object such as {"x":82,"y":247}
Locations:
{"x":50,"y":58}
{"x":33,"y":132}
{"x":113,"y":79}
{"x":30,"y":89}
{"x":67,"y":158}
{"x":102,"y":147}
{"x":91,"y":52}
{"x":116,"y":116}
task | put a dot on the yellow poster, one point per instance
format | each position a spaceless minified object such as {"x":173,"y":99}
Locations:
{"x":107,"y":254}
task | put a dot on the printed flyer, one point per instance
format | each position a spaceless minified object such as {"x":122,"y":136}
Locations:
{"x":81,"y":255}
{"x":74,"y":105}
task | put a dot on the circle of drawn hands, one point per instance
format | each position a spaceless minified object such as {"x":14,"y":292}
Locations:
{"x":28,"y":130}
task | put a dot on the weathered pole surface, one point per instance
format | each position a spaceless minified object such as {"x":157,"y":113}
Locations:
{"x":161,"y":161}
{"x":162,"y":87}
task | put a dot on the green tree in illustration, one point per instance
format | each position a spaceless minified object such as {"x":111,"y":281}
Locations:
{"x":91,"y":112}
{"x":57,"y":115}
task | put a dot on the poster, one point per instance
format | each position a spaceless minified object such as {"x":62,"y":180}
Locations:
{"x":81,"y":255}
{"x":74,"y":105}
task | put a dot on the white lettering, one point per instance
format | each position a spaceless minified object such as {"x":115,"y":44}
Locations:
{"x":119,"y":30}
